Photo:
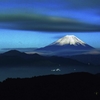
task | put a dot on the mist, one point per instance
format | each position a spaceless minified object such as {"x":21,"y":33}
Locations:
{"x":26,"y":72}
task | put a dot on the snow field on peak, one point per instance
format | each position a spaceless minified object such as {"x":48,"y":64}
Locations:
{"x":69,"y":39}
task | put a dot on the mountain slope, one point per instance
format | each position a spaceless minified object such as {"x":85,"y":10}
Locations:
{"x":68,"y":44}
{"x":74,"y":86}
{"x":20,"y":59}
{"x":14,"y":53}
{"x":69,"y":39}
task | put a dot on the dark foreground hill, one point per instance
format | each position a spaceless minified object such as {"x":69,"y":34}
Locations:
{"x":75,"y":86}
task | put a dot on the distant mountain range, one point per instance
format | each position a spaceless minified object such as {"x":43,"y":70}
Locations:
{"x":16,"y":58}
{"x":19,"y":49}
{"x":69,"y":50}
{"x":67,"y":45}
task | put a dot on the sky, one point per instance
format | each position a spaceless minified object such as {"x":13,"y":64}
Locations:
{"x":37,"y":23}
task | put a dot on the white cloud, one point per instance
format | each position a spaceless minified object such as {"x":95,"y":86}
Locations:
{"x":93,"y":52}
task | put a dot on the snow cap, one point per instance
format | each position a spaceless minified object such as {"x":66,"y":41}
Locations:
{"x":69,"y":40}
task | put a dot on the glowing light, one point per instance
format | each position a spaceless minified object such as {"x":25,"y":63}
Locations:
{"x":96,"y":93}
{"x":57,"y":70}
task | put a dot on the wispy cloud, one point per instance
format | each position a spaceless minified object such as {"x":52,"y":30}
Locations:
{"x":45,"y":23}
{"x":94,"y":52}
{"x":50,"y":15}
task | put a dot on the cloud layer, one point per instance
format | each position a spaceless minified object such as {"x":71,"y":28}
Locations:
{"x":50,"y":15}
{"x":45,"y":23}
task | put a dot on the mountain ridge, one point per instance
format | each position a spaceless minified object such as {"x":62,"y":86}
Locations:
{"x":73,"y":86}
{"x":68,"y":44}
{"x":35,"y":60}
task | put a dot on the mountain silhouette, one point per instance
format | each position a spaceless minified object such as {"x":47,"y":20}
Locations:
{"x":73,"y":86}
{"x":16,"y":58}
{"x":67,"y":45}
{"x":13,"y":53}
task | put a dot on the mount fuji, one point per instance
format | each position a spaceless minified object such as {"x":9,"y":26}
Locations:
{"x":67,"y":45}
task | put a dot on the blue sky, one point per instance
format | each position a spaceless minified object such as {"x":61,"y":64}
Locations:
{"x":34,"y":39}
{"x":37,"y":23}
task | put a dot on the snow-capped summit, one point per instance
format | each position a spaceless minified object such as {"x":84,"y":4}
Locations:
{"x":68,"y":44}
{"x":69,"y":39}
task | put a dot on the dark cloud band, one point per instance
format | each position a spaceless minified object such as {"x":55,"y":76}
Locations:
{"x":45,"y":23}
